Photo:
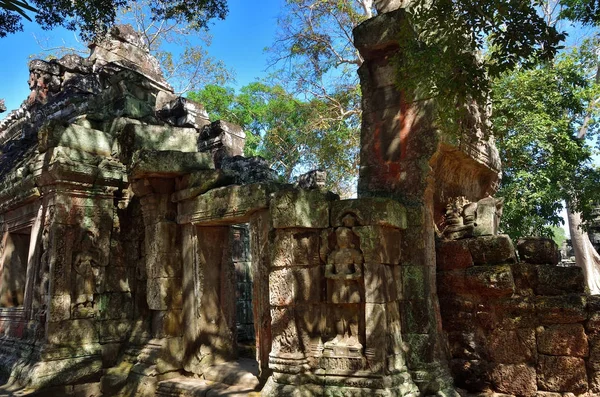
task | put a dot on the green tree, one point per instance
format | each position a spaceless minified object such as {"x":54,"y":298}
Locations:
{"x":288,"y":132}
{"x":536,"y":119}
{"x":93,"y":17}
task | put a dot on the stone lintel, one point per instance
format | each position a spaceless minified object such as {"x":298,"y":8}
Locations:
{"x":225,"y":205}
{"x":160,"y":138}
{"x":67,"y":164}
{"x":167,"y":163}
{"x":370,"y":211}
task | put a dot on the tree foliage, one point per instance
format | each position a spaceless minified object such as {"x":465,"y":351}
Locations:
{"x":291,"y":134}
{"x":452,"y":49}
{"x":191,"y":67}
{"x":537,"y":116}
{"x":93,"y":17}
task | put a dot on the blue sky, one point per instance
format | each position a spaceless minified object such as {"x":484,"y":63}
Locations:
{"x":238,"y":41}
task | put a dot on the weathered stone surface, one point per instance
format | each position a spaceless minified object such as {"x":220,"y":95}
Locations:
{"x":165,"y":164}
{"x":452,"y":255}
{"x":164,"y":293}
{"x":226,"y":205}
{"x":295,"y":247}
{"x":289,"y":286}
{"x":561,"y":309}
{"x":74,"y":136}
{"x":180,"y":112}
{"x":380,"y":286}
{"x":71,"y":332}
{"x":562,"y":374}
{"x":370,"y":212}
{"x":593,"y":314}
{"x":490,"y":281}
{"x":379,"y":244}
{"x":563,"y":340}
{"x":472,"y":375}
{"x":538,"y":250}
{"x":487,"y":216}
{"x":249,"y":169}
{"x":492,"y":250}
{"x":512,"y":346}
{"x":554,"y":280}
{"x":159,"y":138}
{"x":517,"y":379}
{"x":301,"y":209}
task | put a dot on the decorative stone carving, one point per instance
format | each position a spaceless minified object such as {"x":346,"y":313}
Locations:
{"x":466,"y":219}
{"x":87,"y":271}
{"x":344,"y":274}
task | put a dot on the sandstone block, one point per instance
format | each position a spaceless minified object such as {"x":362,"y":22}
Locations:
{"x":594,"y":358}
{"x":59,"y":308}
{"x":380,"y":286}
{"x":71,"y":332}
{"x":113,"y":330}
{"x":295,"y":247}
{"x":154,"y":137}
{"x":554,"y":280}
{"x":55,"y":134}
{"x":562,"y":374}
{"x":560,"y":309}
{"x":164,"y":293}
{"x":490,"y":281}
{"x":538,"y":250}
{"x":370,"y":212}
{"x":147,"y":163}
{"x":452,"y":282}
{"x":416,"y":316}
{"x":301,"y":208}
{"x":519,"y":379}
{"x":516,"y":312}
{"x":288,"y":286}
{"x":115,"y":306}
{"x":563,"y":340}
{"x":452,"y":255}
{"x":492,"y":250}
{"x":512,"y":346}
{"x":593,"y":309}
{"x":226,"y":205}
{"x":415,"y":281}
{"x":379,"y":244}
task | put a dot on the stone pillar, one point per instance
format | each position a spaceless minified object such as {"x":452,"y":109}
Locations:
{"x":209,"y":307}
{"x":260,"y":228}
{"x":405,"y":156}
{"x":164,"y":269}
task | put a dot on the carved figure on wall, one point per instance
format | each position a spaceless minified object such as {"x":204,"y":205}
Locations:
{"x":86,"y":270}
{"x":344,"y":269}
{"x":466,"y":219}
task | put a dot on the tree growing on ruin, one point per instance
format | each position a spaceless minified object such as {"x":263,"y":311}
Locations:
{"x":94,"y":17}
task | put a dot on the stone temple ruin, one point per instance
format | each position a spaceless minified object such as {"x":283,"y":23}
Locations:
{"x":142,"y":255}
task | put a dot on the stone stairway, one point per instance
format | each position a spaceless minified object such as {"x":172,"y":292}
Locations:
{"x":229,"y":379}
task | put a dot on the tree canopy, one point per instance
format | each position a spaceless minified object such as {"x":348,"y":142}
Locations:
{"x":537,"y":116}
{"x":293,"y":135}
{"x":96,"y":16}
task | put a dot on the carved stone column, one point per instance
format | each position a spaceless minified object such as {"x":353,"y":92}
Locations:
{"x":404,"y":155}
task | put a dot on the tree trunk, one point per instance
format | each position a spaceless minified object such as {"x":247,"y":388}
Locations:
{"x":586,"y":256}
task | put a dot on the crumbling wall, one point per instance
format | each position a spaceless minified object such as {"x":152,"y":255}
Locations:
{"x":521,"y":327}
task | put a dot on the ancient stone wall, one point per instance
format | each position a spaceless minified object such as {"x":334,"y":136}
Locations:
{"x":521,"y":327}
